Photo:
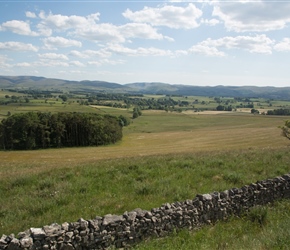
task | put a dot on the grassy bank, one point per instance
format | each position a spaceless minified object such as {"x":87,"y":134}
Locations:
{"x":34,"y":199}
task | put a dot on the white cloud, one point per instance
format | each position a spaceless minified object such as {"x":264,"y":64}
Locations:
{"x":105,"y":61}
{"x":30,"y":14}
{"x":43,"y":30}
{"x":112,"y":62}
{"x":95,"y":63}
{"x":77,"y":72}
{"x":206,"y":50}
{"x":210,"y":22}
{"x":256,"y":16}
{"x":52,"y":63}
{"x":55,"y":60}
{"x":181,"y":52}
{"x":77,"y":63}
{"x":121,"y":50}
{"x":3,"y":62}
{"x":104,"y":32}
{"x":170,"y":16}
{"x":51,"y":22}
{"x":255,"y":44}
{"x":54,"y":42}
{"x":284,"y":45}
{"x":79,"y":54}
{"x":61,"y":22}
{"x":107,"y":32}
{"x":24,"y":64}
{"x":153,"y":52}
{"x":18,"y":27}
{"x":17,"y":46}
{"x":141,"y":30}
{"x":53,"y":56}
{"x":84,"y":27}
{"x":90,"y":53}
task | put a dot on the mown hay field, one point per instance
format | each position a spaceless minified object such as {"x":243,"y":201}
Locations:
{"x":161,"y":133}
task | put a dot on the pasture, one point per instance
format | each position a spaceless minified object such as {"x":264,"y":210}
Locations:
{"x":162,"y":133}
{"x":163,"y":157}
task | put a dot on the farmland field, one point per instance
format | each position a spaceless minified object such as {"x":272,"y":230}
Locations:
{"x":163,"y":157}
{"x":161,"y":133}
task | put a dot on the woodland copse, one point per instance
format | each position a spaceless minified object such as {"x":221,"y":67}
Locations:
{"x":34,"y":130}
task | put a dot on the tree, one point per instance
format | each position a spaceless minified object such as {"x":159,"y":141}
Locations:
{"x":286,"y":129}
{"x":220,"y":108}
{"x":63,"y":97}
{"x":136,"y":112}
{"x":229,"y":108}
{"x":124,"y":121}
{"x":255,"y":111}
{"x":278,"y":112}
{"x":2,"y":144}
{"x":218,"y":99}
{"x":43,"y":130}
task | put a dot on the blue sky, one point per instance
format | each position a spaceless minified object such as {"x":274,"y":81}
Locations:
{"x":204,"y":43}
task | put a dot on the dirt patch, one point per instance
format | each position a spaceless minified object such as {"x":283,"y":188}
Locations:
{"x":105,"y":107}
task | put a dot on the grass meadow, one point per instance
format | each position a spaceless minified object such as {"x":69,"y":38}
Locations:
{"x":163,"y":157}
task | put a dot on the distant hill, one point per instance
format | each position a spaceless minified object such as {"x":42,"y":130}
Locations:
{"x":42,"y":83}
{"x":232,"y":91}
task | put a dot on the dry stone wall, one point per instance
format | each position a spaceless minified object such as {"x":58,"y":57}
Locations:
{"x":122,"y":231}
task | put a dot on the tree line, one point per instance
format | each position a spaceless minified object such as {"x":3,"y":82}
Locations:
{"x":166,"y":103}
{"x":35,"y":130}
{"x":279,"y":112}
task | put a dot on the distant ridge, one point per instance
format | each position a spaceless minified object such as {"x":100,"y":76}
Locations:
{"x":42,"y":83}
{"x":219,"y":91}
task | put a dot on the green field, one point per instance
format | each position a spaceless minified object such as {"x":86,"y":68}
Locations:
{"x":15,"y":102}
{"x":163,"y":157}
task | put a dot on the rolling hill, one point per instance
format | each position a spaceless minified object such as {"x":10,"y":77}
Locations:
{"x":42,"y":83}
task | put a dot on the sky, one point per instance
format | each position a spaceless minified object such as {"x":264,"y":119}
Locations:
{"x":201,"y":43}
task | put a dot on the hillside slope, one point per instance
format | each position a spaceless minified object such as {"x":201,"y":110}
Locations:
{"x":42,"y":83}
{"x":233,"y":91}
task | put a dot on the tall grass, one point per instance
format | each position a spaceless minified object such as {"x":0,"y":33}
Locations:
{"x":115,"y":186}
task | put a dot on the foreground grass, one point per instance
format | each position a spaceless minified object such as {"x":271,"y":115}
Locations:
{"x":115,"y":186}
